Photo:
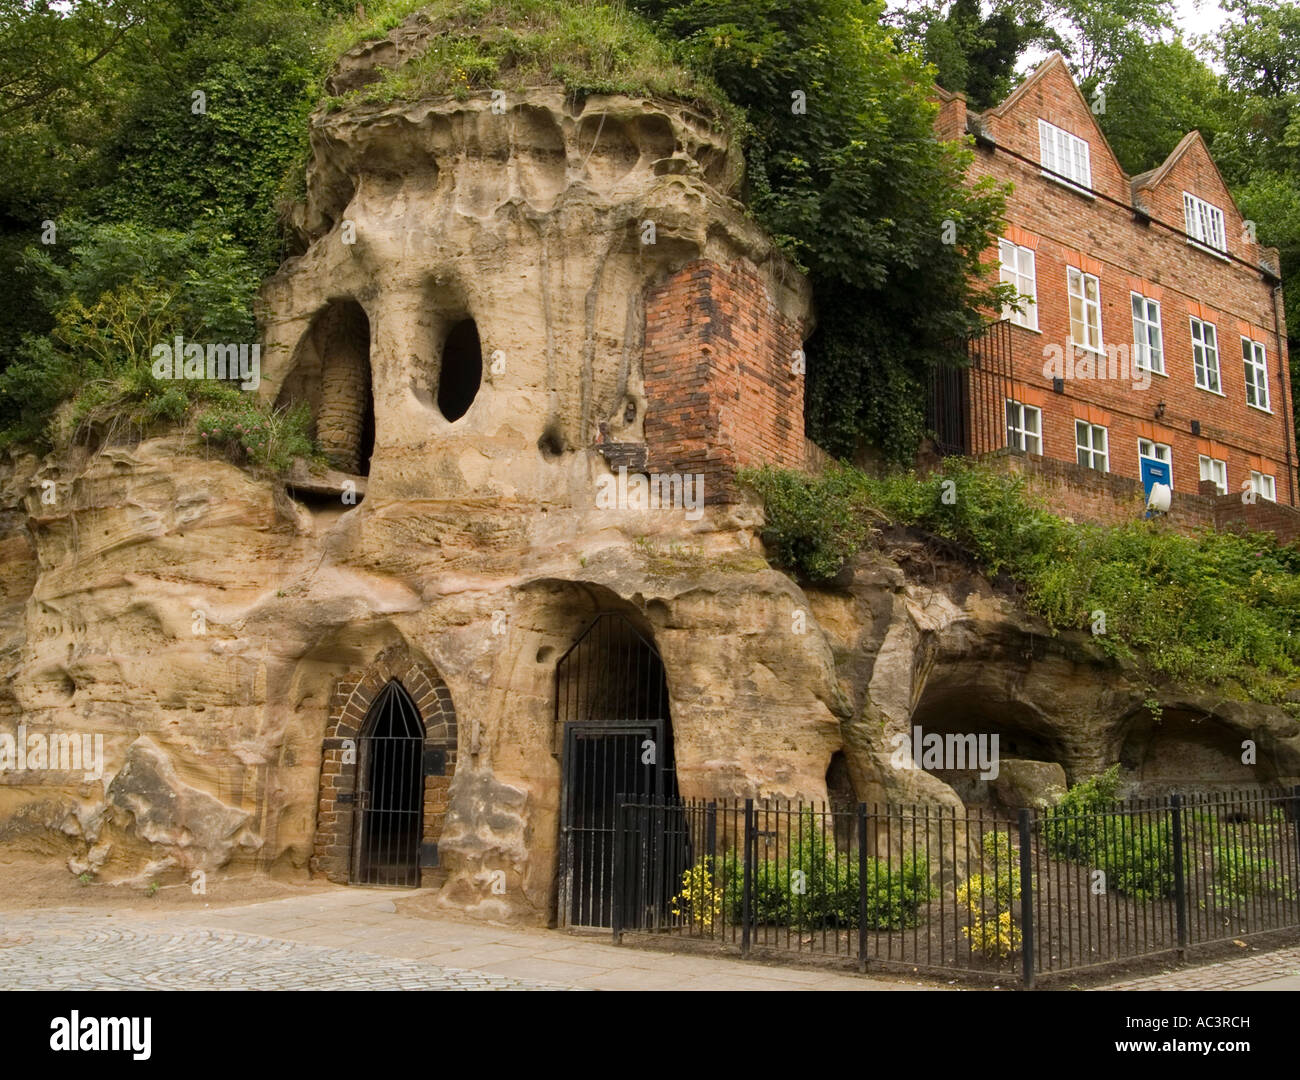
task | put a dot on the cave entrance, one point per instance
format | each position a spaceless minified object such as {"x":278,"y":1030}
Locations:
{"x":461,"y":373}
{"x":612,"y":712}
{"x":332,"y":376}
{"x":390,"y":792}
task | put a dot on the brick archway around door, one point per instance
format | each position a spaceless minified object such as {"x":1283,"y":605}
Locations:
{"x":349,"y":703}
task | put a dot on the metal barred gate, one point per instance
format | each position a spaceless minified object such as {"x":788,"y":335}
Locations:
{"x":615,"y":737}
{"x":390,"y":792}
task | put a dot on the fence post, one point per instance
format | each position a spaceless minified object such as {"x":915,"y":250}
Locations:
{"x":711,"y":829}
{"x":1026,"y":904}
{"x":1180,"y":871}
{"x":751,"y":842}
{"x":1295,"y":819}
{"x":862,"y":886}
{"x":620,"y":845}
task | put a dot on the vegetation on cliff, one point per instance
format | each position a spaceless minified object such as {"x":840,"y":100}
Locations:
{"x":1216,"y":608}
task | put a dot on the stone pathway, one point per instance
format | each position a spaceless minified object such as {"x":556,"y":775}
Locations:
{"x":1266,"y":971}
{"x":353,"y":939}
{"x":64,"y":951}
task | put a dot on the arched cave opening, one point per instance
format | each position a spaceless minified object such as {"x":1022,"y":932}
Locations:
{"x":1191,"y":753}
{"x":977,"y":729}
{"x":332,"y":376}
{"x":461,"y":373}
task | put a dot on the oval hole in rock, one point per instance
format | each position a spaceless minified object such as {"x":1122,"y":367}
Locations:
{"x":551,"y":443}
{"x":461,"y":373}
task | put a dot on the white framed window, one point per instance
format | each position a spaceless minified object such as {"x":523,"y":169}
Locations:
{"x":1263,"y":485}
{"x":1148,"y":344}
{"x":1205,"y":355}
{"x":1085,"y":309}
{"x":1092,"y":444}
{"x":1018,"y":271}
{"x":1066,"y":154}
{"x":1216,"y":470}
{"x":1204,"y":223}
{"x":1157,"y":451}
{"x":1255,"y":360}
{"x":1024,"y":427}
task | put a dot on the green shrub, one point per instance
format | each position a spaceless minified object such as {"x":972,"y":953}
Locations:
{"x":270,"y":438}
{"x":1071,"y":829}
{"x":1242,"y":872}
{"x":1137,"y":856}
{"x":813,"y":888}
{"x":1135,"y":851}
{"x":814,"y":524}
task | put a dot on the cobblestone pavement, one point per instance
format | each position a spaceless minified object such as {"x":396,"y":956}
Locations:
{"x":341,"y":938}
{"x":63,"y":951}
{"x":1268,"y":971}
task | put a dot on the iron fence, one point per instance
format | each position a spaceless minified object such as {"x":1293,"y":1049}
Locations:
{"x":925,"y":887}
{"x":966,"y":410}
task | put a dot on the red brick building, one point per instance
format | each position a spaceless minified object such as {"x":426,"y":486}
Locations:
{"x":1152,"y":324}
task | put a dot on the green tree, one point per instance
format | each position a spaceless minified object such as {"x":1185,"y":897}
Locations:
{"x":1153,"y":96}
{"x":1259,"y":146}
{"x":973,"y":49}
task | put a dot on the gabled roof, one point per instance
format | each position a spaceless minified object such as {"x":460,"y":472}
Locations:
{"x":1054,"y":60}
{"x":1154,"y":177}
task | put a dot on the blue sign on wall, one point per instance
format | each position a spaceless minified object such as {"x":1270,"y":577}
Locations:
{"x":1154,"y":472}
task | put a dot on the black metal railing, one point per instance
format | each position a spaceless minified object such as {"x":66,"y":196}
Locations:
{"x":927,"y":887}
{"x":966,"y":404}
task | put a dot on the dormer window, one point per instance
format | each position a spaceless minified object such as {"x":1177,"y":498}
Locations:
{"x":1204,"y":223}
{"x":1064,"y":157}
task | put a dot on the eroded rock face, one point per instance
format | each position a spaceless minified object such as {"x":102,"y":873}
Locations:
{"x":489,"y":264}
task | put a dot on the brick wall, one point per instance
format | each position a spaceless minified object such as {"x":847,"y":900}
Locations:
{"x":1082,"y":494}
{"x":349,"y":703}
{"x":720,"y":386}
{"x":1066,"y":228}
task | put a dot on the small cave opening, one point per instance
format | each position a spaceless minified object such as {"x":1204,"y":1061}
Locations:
{"x":461,"y":372}
{"x":331,"y":375}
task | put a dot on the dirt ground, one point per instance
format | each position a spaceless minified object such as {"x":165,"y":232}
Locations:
{"x":27,"y":884}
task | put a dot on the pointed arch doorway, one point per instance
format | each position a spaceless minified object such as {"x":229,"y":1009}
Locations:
{"x":390,"y":791}
{"x":615,"y":731}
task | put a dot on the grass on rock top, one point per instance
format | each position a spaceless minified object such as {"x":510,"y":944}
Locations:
{"x":475,"y":45}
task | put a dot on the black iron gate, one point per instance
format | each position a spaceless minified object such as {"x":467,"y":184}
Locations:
{"x":612,"y":717}
{"x":390,"y":792}
{"x":966,"y":405}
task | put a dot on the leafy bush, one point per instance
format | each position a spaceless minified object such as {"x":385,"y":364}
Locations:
{"x":813,"y":523}
{"x":813,"y":888}
{"x":1242,"y":871}
{"x":700,"y":898}
{"x":121,"y":290}
{"x":998,"y":889}
{"x":117,"y":292}
{"x":1135,"y":852}
{"x":1071,"y":829}
{"x":1137,"y":856}
{"x":989,"y":896}
{"x":993,"y":935}
{"x":270,"y":438}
